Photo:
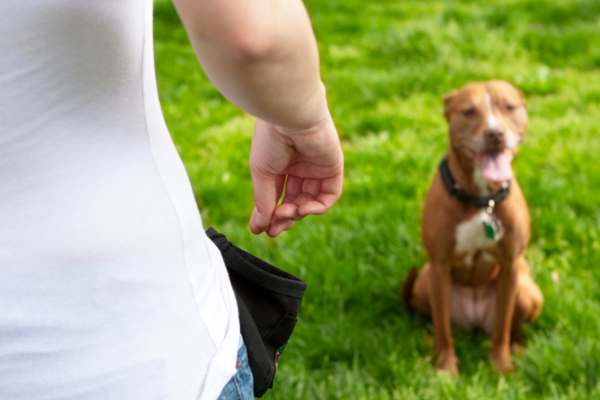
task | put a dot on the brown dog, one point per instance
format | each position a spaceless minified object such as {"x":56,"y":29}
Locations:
{"x":476,"y":227}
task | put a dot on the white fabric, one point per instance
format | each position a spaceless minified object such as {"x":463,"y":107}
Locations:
{"x":109,"y":288}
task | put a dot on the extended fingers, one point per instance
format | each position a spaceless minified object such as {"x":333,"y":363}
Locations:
{"x":287,"y":211}
{"x":279,"y":225}
{"x":329,"y":192}
{"x":315,"y":196}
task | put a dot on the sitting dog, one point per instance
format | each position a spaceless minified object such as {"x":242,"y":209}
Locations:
{"x":476,"y":227}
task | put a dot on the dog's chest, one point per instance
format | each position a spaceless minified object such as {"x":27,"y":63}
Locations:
{"x":471,"y":236}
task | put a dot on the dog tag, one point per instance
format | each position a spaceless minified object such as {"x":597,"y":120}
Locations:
{"x":492,"y":228}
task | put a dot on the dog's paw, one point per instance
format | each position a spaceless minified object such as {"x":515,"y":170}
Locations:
{"x":447,"y":363}
{"x":517,"y":349}
{"x":502,"y":361}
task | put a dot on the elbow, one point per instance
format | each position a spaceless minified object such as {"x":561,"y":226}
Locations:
{"x":252,"y":45}
{"x":247,"y":33}
{"x":242,"y":44}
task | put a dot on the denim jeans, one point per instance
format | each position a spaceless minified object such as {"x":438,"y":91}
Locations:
{"x":241,"y":386}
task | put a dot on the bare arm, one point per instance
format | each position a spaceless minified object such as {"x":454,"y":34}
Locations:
{"x":262,"y":56}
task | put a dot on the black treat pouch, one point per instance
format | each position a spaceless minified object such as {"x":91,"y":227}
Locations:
{"x":268,"y":302}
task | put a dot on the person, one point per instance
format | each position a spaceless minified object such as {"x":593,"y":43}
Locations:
{"x":109,"y":287}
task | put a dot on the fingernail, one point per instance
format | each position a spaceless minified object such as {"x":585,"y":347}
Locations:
{"x":259,"y":219}
{"x":259,"y":223}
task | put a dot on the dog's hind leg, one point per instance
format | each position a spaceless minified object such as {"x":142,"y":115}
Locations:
{"x":529,"y":300}
{"x":415,"y":290}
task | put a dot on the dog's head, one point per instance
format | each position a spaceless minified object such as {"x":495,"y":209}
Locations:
{"x":487,"y":122}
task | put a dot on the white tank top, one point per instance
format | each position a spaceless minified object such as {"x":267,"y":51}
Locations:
{"x":109,"y":288}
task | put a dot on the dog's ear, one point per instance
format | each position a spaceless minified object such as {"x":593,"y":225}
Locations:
{"x":522,"y":96}
{"x":448,"y":97}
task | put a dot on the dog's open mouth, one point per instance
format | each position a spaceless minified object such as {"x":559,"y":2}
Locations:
{"x":494,"y":165}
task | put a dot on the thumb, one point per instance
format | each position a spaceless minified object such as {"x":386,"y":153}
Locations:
{"x":265,"y":199}
{"x":268,"y":157}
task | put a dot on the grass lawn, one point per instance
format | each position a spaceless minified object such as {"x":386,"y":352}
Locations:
{"x":386,"y":64}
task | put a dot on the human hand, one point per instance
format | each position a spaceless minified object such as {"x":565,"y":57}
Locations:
{"x":313,"y":162}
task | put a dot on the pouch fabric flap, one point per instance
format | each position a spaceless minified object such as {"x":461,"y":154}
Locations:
{"x":268,"y":302}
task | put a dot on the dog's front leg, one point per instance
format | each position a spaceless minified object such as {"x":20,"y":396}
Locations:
{"x":505,"y":307}
{"x":440,"y":310}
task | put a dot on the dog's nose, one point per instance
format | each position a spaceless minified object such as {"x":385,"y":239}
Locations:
{"x":494,"y":139}
{"x":494,"y":134}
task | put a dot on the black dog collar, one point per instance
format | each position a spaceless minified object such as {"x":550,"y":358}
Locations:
{"x":459,"y":193}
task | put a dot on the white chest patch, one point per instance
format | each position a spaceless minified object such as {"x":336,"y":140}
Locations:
{"x":470,"y":235}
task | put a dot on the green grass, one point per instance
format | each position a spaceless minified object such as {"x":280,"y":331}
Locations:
{"x":385,"y":65}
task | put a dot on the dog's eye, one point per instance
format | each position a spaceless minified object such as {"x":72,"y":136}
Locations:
{"x":510,"y":107}
{"x":469,"y":112}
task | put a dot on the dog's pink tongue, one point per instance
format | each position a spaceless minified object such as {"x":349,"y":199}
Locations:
{"x":496,"y":166}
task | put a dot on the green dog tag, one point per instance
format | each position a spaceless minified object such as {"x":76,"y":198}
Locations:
{"x":490,"y":229}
